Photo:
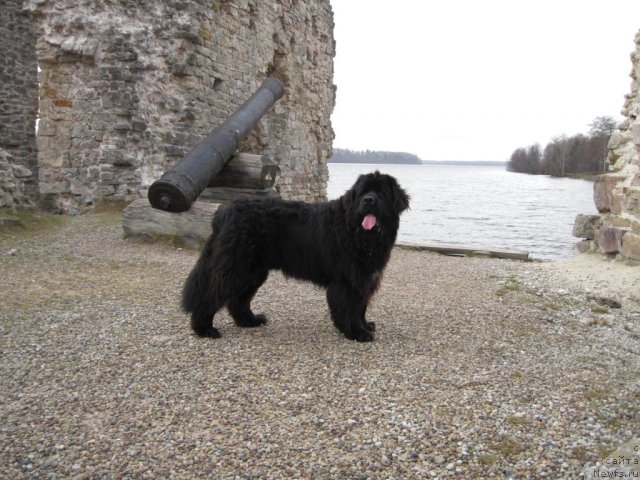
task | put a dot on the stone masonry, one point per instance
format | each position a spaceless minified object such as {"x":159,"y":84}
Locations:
{"x":616,"y":230}
{"x":16,"y":181}
{"x":18,"y":100}
{"x":127,"y":88}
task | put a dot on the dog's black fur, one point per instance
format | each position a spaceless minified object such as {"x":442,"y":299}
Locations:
{"x":332,"y":244}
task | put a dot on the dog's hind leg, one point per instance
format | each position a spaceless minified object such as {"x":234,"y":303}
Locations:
{"x":202,"y":320}
{"x":239,"y":305}
{"x":199,"y":297}
{"x":347,"y":309}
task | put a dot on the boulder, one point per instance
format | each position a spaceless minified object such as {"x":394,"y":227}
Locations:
{"x":631,"y":246}
{"x":583,"y":246}
{"x":610,"y":239}
{"x":603,"y":192}
{"x":586,"y":225}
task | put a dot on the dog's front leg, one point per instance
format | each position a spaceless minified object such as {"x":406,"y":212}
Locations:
{"x":347,"y":307}
{"x":371,"y":326}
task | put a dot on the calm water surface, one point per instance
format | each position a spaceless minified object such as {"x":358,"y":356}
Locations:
{"x":483,"y":207}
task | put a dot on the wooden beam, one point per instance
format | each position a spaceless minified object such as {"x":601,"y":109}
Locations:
{"x":227,"y":195}
{"x":246,"y":170}
{"x":190,"y":228}
{"x":462,"y":251}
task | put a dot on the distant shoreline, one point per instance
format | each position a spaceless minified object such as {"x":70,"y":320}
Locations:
{"x":431,"y":162}
{"x":374,"y":157}
{"x":476,"y":163}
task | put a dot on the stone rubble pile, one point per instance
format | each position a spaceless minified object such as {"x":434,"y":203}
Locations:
{"x":616,"y":230}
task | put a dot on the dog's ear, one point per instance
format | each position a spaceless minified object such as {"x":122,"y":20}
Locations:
{"x":349,"y":197}
{"x":400,"y":198}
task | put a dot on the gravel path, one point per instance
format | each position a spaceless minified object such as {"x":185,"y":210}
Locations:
{"x":481,"y":368}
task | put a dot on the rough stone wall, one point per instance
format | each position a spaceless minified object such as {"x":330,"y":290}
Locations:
{"x":18,"y":87}
{"x":616,"y":230}
{"x":15,"y":182}
{"x":128,"y":87}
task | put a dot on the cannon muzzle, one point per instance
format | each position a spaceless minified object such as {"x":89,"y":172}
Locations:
{"x":178,"y":188}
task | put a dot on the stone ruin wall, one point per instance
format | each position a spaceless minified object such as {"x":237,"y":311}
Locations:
{"x":127,"y":88}
{"x":616,"y":230}
{"x":18,"y":106}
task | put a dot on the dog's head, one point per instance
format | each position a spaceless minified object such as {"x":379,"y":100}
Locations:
{"x":375,"y":202}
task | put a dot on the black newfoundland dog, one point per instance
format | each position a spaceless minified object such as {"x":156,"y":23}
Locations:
{"x":342,"y":245}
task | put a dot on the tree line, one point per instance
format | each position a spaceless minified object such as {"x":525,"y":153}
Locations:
{"x":341,"y":155}
{"x":579,"y":154}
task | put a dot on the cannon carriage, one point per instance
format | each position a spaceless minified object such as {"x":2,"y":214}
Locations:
{"x":213,"y":171}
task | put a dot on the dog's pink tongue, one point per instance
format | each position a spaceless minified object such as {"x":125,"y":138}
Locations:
{"x":369,"y":222}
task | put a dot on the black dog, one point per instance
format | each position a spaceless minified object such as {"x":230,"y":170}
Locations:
{"x":342,"y":245}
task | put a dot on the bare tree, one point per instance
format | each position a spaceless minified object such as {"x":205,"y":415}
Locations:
{"x":568,"y":155}
{"x":601,"y":129}
{"x":602,"y":126}
{"x":556,"y":156}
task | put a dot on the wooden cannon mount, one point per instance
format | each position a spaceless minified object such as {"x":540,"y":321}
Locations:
{"x":211,"y":172}
{"x":245,"y":174}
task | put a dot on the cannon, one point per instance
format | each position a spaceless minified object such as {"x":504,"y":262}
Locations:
{"x":178,"y":188}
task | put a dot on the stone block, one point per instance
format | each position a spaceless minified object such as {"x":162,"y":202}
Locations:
{"x":54,"y":187}
{"x":631,"y":246}
{"x":105,"y":190}
{"x":585,"y":226}
{"x":635,"y":133}
{"x":584,"y":246}
{"x":617,"y":140}
{"x":21,"y":172}
{"x":106,"y":177}
{"x":610,"y":239}
{"x":63,"y":103}
{"x":631,"y":204}
{"x":174,"y":151}
{"x":93,"y":173}
{"x":617,"y":200}
{"x":138,"y":125}
{"x":118,"y":99}
{"x":603,"y":191}
{"x":122,"y":126}
{"x":77,"y":187}
{"x":47,"y":129}
{"x":627,"y":222}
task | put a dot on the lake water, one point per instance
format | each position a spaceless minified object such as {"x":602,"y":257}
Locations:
{"x":482,"y":207}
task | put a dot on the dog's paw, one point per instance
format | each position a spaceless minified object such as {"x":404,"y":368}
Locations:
{"x":255,"y":321}
{"x":361,"y":336}
{"x":371,"y":326}
{"x":364,"y":336}
{"x":210,"y":332}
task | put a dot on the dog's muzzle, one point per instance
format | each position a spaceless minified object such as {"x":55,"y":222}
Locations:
{"x":367,"y":206}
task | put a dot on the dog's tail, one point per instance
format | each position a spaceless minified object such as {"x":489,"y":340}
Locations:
{"x":197,"y":287}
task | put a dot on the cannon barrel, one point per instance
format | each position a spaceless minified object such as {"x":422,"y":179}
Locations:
{"x":176,"y":190}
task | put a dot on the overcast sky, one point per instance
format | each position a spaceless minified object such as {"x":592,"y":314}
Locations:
{"x":476,"y":79}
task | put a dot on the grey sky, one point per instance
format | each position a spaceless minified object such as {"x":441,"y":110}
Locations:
{"x":476,"y":79}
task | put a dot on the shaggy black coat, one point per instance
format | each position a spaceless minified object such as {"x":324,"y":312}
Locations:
{"x":342,"y":245}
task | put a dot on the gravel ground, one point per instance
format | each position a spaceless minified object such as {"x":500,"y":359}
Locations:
{"x":481,"y":368}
